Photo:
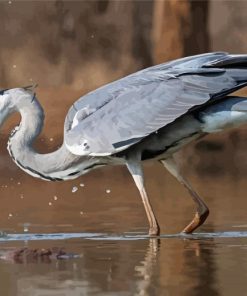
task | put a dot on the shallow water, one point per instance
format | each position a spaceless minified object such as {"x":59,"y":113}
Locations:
{"x":104,"y":224}
{"x":205,"y":266}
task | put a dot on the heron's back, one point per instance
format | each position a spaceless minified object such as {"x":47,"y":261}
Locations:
{"x":123,"y":113}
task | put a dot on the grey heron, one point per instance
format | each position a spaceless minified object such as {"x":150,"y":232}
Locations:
{"x":150,"y":114}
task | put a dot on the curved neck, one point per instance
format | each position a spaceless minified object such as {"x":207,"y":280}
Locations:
{"x":58,"y":165}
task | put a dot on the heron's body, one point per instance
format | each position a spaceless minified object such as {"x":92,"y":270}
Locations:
{"x":150,"y":114}
{"x":193,"y":125}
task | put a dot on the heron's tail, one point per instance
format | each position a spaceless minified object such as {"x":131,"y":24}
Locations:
{"x":220,"y":115}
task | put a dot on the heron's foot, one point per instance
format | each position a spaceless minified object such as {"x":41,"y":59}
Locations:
{"x":154,"y":230}
{"x":197,"y":221}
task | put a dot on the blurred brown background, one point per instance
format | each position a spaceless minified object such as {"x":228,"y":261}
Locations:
{"x":72,"y":47}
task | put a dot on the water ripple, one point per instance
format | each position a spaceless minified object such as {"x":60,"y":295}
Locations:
{"x":105,"y":236}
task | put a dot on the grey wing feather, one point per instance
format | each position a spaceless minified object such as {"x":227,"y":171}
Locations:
{"x":124,"y":112}
{"x":101,"y":96}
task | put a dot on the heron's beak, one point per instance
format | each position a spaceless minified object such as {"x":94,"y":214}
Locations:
{"x":32,"y":89}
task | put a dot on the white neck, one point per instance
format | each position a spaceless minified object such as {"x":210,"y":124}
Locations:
{"x":58,"y":165}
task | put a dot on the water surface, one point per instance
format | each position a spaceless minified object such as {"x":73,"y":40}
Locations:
{"x":104,"y":224}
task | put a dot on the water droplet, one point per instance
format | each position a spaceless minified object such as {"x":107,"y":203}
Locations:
{"x":81,"y":213}
{"x":21,"y":196}
{"x":74,"y":189}
{"x":14,"y":66}
{"x":18,"y":183}
{"x":51,"y":139}
{"x":55,"y":197}
{"x":50,"y":203}
{"x":10,"y":215}
{"x":10,"y":2}
{"x":26,"y":227}
{"x":108,"y":191}
{"x":11,"y":179}
{"x":82,"y":185}
{"x":92,"y":36}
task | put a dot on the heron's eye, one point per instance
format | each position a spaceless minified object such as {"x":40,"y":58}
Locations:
{"x":84,"y":143}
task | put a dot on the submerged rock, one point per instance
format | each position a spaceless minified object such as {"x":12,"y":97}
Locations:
{"x":27,"y":255}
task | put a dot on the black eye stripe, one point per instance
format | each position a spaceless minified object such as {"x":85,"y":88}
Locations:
{"x":2,"y":91}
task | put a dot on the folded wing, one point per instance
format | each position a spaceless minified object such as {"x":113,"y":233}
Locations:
{"x":124,"y":112}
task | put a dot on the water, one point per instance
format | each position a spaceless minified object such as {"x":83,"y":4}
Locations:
{"x":132,"y":267}
{"x":109,"y":236}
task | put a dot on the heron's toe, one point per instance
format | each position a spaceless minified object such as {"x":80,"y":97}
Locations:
{"x":154,"y":231}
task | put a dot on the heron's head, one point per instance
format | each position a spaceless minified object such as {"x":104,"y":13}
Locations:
{"x":5,"y":99}
{"x":13,"y":99}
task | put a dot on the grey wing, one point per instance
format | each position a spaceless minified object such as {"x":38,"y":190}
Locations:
{"x":138,"y":109}
{"x":101,"y":96}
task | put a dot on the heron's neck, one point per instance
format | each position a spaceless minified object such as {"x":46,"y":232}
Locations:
{"x":58,"y":165}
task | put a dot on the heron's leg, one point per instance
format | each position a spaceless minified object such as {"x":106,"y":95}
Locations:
{"x":135,"y":168}
{"x":202,"y":211}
